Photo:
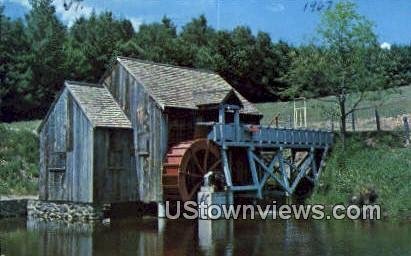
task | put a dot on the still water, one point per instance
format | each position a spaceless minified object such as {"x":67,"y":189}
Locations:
{"x":151,"y":236}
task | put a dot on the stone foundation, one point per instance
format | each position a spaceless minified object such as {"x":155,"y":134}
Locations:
{"x":71,"y":212}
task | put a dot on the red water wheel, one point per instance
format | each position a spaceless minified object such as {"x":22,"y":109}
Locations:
{"x":185,"y":167}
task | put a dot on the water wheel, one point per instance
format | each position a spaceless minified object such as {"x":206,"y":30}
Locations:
{"x":185,"y":166}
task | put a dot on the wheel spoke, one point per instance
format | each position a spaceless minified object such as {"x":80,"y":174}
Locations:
{"x":192,"y":174}
{"x":197,"y":163}
{"x":215,"y":164}
{"x":194,"y":189}
{"x":207,"y":151}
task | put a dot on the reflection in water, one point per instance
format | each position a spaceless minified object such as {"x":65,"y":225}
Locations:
{"x":151,"y":236}
{"x":215,"y":237}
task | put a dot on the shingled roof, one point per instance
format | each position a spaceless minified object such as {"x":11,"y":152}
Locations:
{"x":173,"y":86}
{"x":98,"y":105}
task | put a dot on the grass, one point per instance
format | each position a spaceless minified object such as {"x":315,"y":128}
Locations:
{"x":19,"y":154}
{"x":393,"y":104}
{"x":371,"y":162}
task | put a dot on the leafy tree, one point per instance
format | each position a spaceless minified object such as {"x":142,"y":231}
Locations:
{"x":398,"y":65}
{"x":197,"y":32}
{"x":347,"y":65}
{"x":45,"y":35}
{"x":154,"y":42}
{"x":15,"y":74}
{"x":248,"y":62}
{"x":94,"y":42}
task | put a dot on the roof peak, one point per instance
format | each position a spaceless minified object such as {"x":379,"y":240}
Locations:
{"x":71,"y":82}
{"x":168,"y":65}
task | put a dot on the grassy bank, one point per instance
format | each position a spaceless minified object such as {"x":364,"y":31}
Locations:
{"x":18,"y":158}
{"x":392,"y":104}
{"x":372,"y":163}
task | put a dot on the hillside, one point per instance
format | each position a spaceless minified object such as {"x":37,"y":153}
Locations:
{"x":375,"y":163}
{"x":391,"y":106}
{"x":18,"y":158}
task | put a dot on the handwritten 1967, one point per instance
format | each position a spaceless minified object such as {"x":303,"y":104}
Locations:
{"x":317,"y":5}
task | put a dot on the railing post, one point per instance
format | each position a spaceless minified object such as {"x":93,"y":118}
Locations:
{"x":406,"y":130}
{"x":377,"y":119}
{"x":353,"y":120}
{"x":237,"y":124}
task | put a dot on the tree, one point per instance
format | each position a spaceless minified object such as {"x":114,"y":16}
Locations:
{"x":346,"y":65}
{"x":398,"y":65}
{"x":15,"y":74}
{"x":154,"y":42}
{"x":45,"y":34}
{"x":94,"y":43}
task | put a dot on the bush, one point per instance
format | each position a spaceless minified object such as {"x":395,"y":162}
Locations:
{"x":19,"y":157}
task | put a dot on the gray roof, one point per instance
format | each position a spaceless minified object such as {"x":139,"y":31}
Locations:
{"x":180,"y":87}
{"x":98,"y":105}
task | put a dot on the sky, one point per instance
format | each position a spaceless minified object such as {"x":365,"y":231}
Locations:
{"x":287,"y":20}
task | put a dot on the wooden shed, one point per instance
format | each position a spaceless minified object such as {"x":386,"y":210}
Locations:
{"x":86,"y":148}
{"x":108,"y":143}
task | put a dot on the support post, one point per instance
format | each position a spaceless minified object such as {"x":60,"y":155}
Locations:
{"x":237,"y":124}
{"x":377,"y":119}
{"x":305,"y":114}
{"x":282,"y":170}
{"x":406,"y":131}
{"x":226,"y":168}
{"x":253,"y":170}
{"x":161,"y":210}
{"x":353,"y":120}
{"x":322,"y":164}
{"x":313,"y":163}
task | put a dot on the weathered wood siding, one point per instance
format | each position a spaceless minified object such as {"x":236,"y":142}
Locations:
{"x":149,"y":131}
{"x":115,"y":178}
{"x":52,"y":141}
{"x":80,"y":159}
{"x":66,"y":162}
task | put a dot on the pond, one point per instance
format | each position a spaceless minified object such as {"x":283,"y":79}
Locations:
{"x":152,"y":236}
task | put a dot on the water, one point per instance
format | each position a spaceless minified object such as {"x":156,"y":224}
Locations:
{"x":151,"y":236}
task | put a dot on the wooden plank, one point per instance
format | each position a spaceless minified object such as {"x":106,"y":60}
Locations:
{"x":149,"y":132}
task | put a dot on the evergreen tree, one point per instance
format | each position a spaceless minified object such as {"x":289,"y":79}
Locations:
{"x":155,"y":42}
{"x":94,"y":43}
{"x":15,"y":74}
{"x":45,"y":35}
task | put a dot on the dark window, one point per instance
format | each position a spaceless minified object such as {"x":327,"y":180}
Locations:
{"x":180,"y":129}
{"x":57,"y":161}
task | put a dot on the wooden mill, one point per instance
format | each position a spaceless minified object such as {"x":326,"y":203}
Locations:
{"x":150,"y":132}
